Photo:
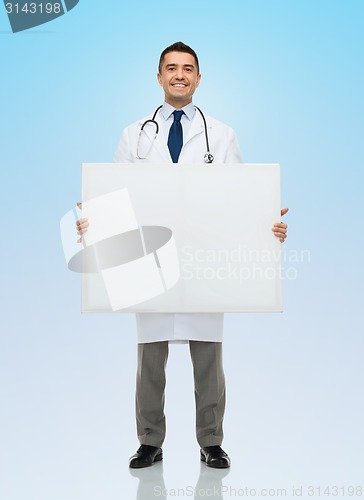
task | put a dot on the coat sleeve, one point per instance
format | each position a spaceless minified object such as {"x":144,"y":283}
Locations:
{"x":233,"y":154}
{"x":123,"y":153}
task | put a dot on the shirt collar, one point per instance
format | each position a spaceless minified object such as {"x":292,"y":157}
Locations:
{"x":167,"y":110}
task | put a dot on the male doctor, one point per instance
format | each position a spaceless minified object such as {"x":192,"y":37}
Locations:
{"x":181,"y":139}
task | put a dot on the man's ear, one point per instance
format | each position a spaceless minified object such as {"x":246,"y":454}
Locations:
{"x":159,"y":79}
{"x":198,"y":80}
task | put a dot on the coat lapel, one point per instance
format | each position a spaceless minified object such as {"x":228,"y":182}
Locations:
{"x":195,"y":129}
{"x":159,"y":142}
{"x":190,"y":147}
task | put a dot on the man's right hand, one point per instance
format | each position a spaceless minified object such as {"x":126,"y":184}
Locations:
{"x":81,"y":224}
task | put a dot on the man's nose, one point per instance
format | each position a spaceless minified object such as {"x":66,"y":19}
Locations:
{"x":179,"y":74}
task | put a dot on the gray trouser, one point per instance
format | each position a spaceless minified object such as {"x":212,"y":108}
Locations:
{"x":209,"y":392}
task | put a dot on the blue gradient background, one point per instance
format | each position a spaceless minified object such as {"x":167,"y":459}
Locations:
{"x":288,"y":76}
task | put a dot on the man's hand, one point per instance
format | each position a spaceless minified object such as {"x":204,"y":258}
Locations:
{"x":81,"y":224}
{"x":280,"y":229}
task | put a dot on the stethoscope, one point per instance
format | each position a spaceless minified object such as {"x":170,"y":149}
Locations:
{"x":208,"y":157}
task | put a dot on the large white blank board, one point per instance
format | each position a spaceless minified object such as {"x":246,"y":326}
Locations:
{"x":221,"y":218}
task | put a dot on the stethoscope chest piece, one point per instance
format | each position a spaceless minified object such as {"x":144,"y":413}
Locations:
{"x":208,"y":158}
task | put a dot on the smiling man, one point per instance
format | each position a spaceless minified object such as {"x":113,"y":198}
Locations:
{"x":179,"y":76}
{"x":178,"y":132}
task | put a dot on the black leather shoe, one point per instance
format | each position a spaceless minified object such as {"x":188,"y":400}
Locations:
{"x":145,"y":456}
{"x":214,"y":456}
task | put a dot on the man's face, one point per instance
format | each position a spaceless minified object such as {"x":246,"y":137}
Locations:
{"x":179,"y":78}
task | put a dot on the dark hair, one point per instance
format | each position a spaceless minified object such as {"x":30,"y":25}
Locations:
{"x":178,"y":47}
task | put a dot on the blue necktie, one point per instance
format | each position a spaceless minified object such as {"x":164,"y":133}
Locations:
{"x":175,"y":137}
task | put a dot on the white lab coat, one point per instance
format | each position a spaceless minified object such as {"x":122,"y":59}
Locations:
{"x":154,"y":327}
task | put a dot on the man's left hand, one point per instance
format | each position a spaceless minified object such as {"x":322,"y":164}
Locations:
{"x":280,"y":229}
